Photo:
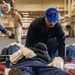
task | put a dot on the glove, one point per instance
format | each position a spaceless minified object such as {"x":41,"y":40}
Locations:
{"x":57,"y":62}
{"x":14,"y":58}
{"x":27,"y":52}
{"x":8,"y":33}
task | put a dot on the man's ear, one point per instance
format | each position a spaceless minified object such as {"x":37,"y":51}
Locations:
{"x":45,"y":17}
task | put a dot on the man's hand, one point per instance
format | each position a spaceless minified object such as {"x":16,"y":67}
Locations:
{"x":57,"y":62}
{"x":8,"y":33}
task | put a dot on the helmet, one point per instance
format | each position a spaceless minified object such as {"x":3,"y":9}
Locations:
{"x":52,"y":14}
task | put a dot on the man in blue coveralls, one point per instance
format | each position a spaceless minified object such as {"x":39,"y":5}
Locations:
{"x":4,"y":9}
{"x":47,"y":30}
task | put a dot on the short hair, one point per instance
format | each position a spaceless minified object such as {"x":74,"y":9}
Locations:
{"x":15,"y":71}
{"x":7,"y":5}
{"x":13,"y":9}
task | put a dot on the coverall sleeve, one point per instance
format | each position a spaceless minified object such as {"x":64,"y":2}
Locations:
{"x":2,"y":29}
{"x":61,"y":42}
{"x":31,"y":35}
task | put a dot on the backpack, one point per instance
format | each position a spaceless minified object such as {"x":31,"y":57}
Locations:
{"x":70,"y":51}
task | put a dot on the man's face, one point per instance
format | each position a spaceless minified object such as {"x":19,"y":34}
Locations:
{"x":5,"y":10}
{"x":14,"y":12}
{"x":50,"y":24}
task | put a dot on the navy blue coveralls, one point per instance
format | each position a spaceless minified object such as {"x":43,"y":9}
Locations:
{"x":54,"y":38}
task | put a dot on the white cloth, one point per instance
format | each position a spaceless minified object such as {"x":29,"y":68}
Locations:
{"x":57,"y":62}
{"x":14,"y":58}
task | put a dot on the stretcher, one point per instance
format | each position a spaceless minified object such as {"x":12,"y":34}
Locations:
{"x":72,"y":72}
{"x":71,"y":67}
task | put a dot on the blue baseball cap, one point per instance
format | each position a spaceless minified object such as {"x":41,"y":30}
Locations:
{"x":52,"y":14}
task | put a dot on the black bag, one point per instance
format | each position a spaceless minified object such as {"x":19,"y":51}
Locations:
{"x":4,"y":52}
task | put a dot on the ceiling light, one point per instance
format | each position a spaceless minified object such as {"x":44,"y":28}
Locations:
{"x":24,"y":13}
{"x":3,"y":1}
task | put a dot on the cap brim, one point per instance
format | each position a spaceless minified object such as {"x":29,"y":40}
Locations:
{"x":51,"y":19}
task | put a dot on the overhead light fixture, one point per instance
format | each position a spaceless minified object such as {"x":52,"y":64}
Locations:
{"x":25,"y":13}
{"x":62,"y":17}
{"x":3,"y":1}
{"x":66,"y":15}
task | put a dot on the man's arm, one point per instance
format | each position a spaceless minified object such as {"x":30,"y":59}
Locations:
{"x":30,"y":38}
{"x":31,"y":35}
{"x":61,"y":48}
{"x":8,"y":33}
{"x":2,"y":29}
{"x":61,"y":42}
